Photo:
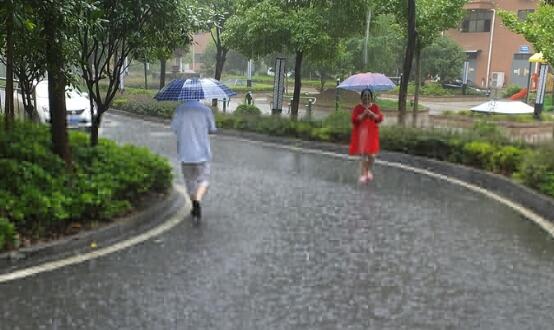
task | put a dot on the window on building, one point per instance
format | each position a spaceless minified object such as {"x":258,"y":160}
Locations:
{"x":477,"y":20}
{"x":522,"y":14}
{"x":522,"y":56}
{"x":471,"y":55}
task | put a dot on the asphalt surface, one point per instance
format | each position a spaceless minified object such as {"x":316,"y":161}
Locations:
{"x":289,"y":240}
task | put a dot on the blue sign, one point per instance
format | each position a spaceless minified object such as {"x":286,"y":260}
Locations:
{"x":524,"y":49}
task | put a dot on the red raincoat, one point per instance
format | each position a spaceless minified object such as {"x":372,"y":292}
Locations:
{"x":365,"y":132}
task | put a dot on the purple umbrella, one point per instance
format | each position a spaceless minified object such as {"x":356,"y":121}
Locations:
{"x":377,"y":82}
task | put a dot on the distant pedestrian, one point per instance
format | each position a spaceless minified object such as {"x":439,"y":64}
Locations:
{"x":248,"y":98}
{"x":364,"y":141}
{"x":192,"y":122}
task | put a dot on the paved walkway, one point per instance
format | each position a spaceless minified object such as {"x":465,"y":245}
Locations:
{"x":290,"y":241}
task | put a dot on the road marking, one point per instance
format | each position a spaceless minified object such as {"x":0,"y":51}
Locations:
{"x":545,"y":224}
{"x":52,"y":265}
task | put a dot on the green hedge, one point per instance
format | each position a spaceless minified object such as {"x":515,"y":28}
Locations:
{"x":537,"y":169}
{"x":249,"y":110}
{"x":510,"y":90}
{"x":39,"y":196}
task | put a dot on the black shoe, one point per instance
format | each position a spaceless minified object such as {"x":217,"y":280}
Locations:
{"x":196,"y":211}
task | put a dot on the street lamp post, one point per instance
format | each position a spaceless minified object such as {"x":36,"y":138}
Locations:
{"x":337,"y":96}
{"x":249,"y":74}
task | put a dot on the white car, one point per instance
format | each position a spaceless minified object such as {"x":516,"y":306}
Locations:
{"x":77,"y":105}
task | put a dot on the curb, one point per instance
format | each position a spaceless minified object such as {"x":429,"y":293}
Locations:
{"x":159,"y":209}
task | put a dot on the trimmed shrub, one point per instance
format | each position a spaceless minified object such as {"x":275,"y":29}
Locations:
{"x":510,"y":90}
{"x":485,"y":130}
{"x":247,"y":110}
{"x":537,"y":170}
{"x":434,"y":89}
{"x":507,"y":160}
{"x":7,"y":233}
{"x":339,"y":125}
{"x":146,"y":106}
{"x":39,"y":196}
{"x":478,"y":154}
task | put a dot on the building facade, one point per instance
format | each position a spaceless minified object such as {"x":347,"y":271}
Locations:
{"x":496,"y":55}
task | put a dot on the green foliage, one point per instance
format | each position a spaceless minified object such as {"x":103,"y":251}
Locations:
{"x":486,"y":130}
{"x":109,"y":32}
{"x":507,"y":160}
{"x":510,"y":90}
{"x":247,"y":110}
{"x":414,"y":141}
{"x":478,"y":154}
{"x":338,"y":125}
{"x":7,"y":233}
{"x":538,"y":28}
{"x":433,"y":89}
{"x":38,"y":195}
{"x":537,"y":170}
{"x":146,"y":106}
{"x":444,"y":58}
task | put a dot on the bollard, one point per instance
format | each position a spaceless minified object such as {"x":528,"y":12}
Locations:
{"x":224,"y":105}
{"x":290,"y":104}
{"x":309,"y":106}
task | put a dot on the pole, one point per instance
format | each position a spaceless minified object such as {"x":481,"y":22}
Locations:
{"x":529,"y":83}
{"x":490,"y":48}
{"x":539,"y":102}
{"x":337,"y":96}
{"x":464,"y":80}
{"x":368,"y":21}
{"x":249,"y":74}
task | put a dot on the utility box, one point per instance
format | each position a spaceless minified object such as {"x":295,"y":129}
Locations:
{"x":497,"y":80}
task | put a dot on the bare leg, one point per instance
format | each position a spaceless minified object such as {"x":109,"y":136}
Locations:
{"x":364,"y":166}
{"x":371,"y":161}
{"x":200,"y":192}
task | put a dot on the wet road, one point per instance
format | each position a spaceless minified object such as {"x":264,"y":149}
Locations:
{"x":290,"y":241}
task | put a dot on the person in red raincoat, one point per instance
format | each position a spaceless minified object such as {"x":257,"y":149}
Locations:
{"x":364,"y":141}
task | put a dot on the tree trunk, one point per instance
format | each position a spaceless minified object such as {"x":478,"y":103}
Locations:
{"x":221,"y":56}
{"x":407,"y":67}
{"x":297,"y":85}
{"x":28,"y":99}
{"x":219,"y":63}
{"x":9,"y":101}
{"x":145,"y":74}
{"x":95,"y":125}
{"x":56,"y":88}
{"x":417,"y":81}
{"x":163,"y":61}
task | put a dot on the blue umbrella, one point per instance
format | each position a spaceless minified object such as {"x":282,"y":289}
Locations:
{"x":376,"y":82}
{"x":194,"y":89}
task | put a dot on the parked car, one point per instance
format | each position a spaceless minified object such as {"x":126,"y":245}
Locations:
{"x":76,"y":102}
{"x":271,"y":72}
{"x":458,"y":84}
